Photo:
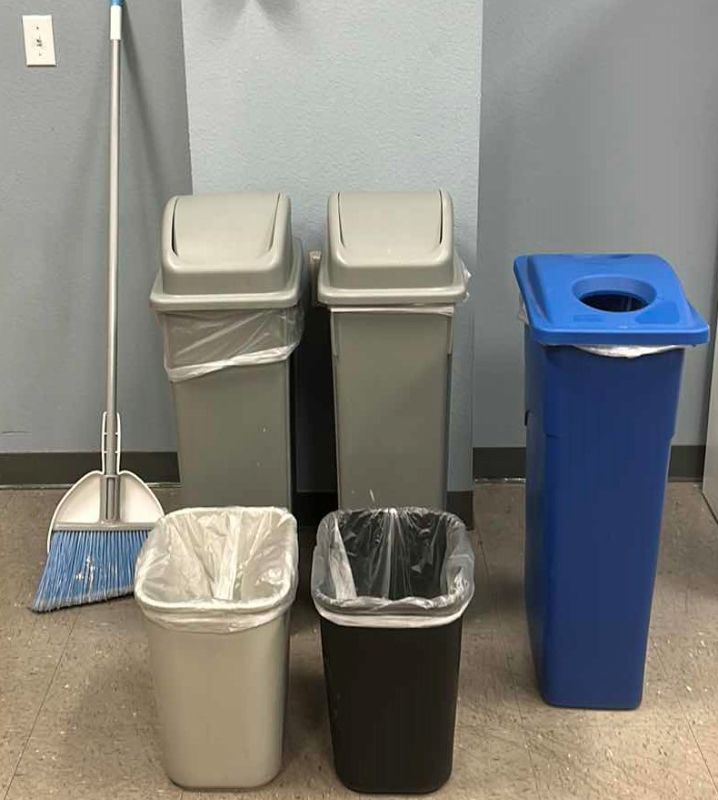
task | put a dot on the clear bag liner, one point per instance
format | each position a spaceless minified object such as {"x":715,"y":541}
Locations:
{"x":392,"y":568}
{"x":197,"y":343}
{"x":218,"y":570}
{"x":612,"y":350}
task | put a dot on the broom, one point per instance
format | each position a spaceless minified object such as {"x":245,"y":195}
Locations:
{"x":101,"y":523}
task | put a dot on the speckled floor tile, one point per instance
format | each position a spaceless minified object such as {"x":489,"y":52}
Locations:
{"x":24,"y":519}
{"x":690,"y":664}
{"x":98,"y":678}
{"x":686,"y":599}
{"x":77,"y":716}
{"x":499,"y":515}
{"x":619,"y":759}
{"x":78,"y":759}
{"x":95,"y":735}
{"x":653,"y":752}
{"x":30,"y":645}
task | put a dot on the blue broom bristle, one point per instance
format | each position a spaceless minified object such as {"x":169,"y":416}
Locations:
{"x":88,"y":566}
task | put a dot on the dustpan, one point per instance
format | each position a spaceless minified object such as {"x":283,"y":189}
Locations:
{"x":101,"y":523}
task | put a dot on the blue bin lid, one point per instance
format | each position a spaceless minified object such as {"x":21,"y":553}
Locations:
{"x":606,"y":299}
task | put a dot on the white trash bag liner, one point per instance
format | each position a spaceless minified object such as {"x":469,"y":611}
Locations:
{"x":197,"y":343}
{"x":392,"y":568}
{"x":218,"y":570}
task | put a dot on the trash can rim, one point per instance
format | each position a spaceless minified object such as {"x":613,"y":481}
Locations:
{"x":555,"y":288}
{"x":218,"y":614}
{"x":405,"y":612}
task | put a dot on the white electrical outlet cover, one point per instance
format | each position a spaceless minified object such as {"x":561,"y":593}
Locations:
{"x":39,"y":40}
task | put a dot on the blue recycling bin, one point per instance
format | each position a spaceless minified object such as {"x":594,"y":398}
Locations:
{"x":599,"y":423}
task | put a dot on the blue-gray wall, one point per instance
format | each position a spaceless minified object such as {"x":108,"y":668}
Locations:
{"x":53,"y":210}
{"x":599,"y":132}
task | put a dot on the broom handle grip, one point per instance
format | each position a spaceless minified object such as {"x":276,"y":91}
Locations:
{"x":110,"y":497}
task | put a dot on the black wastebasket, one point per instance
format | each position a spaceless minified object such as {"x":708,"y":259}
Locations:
{"x":391,"y":586}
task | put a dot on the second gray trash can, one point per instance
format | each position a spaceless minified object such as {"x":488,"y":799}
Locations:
{"x":228,"y":297}
{"x":391,"y":278}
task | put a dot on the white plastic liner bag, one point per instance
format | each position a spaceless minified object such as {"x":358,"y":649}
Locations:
{"x":197,"y":343}
{"x":218,"y":570}
{"x":612,"y":350}
{"x":392,"y":568}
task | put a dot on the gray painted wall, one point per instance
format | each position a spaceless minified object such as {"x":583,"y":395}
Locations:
{"x":53,"y":164}
{"x":599,"y":132}
{"x":312,"y":96}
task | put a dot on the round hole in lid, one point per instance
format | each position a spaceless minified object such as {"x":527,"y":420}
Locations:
{"x":613,"y":301}
{"x":614,"y":294}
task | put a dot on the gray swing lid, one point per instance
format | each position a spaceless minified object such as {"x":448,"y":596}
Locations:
{"x":228,"y":250}
{"x":391,"y":248}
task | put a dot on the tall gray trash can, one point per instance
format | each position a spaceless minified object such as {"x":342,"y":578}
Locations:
{"x":391,"y":278}
{"x":228,"y":300}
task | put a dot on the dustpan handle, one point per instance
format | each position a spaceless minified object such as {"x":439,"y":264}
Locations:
{"x":107,"y":445}
{"x":110,"y":454}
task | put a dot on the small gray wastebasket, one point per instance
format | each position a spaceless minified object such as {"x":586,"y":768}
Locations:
{"x":391,"y":277}
{"x":228,"y":300}
{"x":216,"y":586}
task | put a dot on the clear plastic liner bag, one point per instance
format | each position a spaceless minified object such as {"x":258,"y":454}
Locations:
{"x":218,"y":570}
{"x":393,"y":568}
{"x":197,"y":343}
{"x":626,"y":350}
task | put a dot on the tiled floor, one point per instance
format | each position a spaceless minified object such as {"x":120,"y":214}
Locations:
{"x":77,"y":718}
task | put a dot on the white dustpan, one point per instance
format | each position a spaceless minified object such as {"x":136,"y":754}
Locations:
{"x":81,"y":506}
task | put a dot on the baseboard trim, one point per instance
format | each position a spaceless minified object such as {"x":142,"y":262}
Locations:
{"x":63,"y":469}
{"x":687,"y":462}
{"x":55,"y":469}
{"x":462,"y":504}
{"x":501,"y":463}
{"x":490,"y":463}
